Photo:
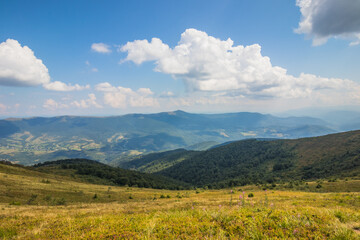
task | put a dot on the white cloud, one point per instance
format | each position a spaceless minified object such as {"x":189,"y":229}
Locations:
{"x":51,"y":104}
{"x":100,"y":48}
{"x":140,"y":51}
{"x":86,"y":103}
{"x":167,"y":94}
{"x":120,"y":97}
{"x":20,"y":67}
{"x":105,"y":87}
{"x":323,"y":19}
{"x":209,"y":64}
{"x":63,"y":87}
{"x":3,"y":108}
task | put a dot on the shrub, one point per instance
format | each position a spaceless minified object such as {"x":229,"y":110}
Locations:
{"x":31,"y":199}
{"x":60,"y":201}
{"x":251,"y":195}
{"x":47,"y":198}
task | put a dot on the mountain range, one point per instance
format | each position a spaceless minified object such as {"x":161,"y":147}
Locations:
{"x":117,"y":139}
{"x":268,"y":163}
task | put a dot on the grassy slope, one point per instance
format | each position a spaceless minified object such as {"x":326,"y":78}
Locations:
{"x":208,"y":214}
{"x":331,"y":154}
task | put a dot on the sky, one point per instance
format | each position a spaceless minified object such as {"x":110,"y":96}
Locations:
{"x":100,"y":58}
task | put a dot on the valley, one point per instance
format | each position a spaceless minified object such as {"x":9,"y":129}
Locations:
{"x":118,"y":139}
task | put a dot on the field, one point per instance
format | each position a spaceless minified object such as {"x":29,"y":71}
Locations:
{"x":36,"y":205}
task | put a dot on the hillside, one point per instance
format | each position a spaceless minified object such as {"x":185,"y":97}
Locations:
{"x":258,"y":161}
{"x":155,"y":162}
{"x":121,"y":138}
{"x":51,"y":185}
{"x":100,"y":173}
{"x":39,"y":205}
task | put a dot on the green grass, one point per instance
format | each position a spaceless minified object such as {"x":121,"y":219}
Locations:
{"x":36,"y":205}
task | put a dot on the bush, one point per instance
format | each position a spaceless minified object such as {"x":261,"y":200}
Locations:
{"x":60,"y":201}
{"x":47,"y":198}
{"x":32,"y":199}
{"x":251,"y":195}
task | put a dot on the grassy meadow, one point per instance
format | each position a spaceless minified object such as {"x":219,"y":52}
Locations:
{"x":36,"y":205}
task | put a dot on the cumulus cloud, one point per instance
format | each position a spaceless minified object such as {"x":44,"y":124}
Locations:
{"x":120,"y":97}
{"x":51,"y":104}
{"x":63,"y":87}
{"x":206,"y":63}
{"x":86,"y":103}
{"x":20,"y":67}
{"x":100,"y":48}
{"x":323,"y":19}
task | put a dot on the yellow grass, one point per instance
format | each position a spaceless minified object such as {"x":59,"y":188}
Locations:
{"x":134,"y":213}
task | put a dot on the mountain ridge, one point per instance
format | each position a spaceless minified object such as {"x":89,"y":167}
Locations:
{"x":256,"y":161}
{"x":115,"y":139}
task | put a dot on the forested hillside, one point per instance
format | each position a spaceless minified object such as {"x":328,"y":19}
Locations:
{"x":259,"y":161}
{"x":105,"y":174}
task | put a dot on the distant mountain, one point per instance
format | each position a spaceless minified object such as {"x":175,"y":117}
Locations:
{"x":122,"y":138}
{"x":343,"y":120}
{"x":259,"y":161}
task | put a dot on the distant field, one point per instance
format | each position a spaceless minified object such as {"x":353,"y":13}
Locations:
{"x":36,"y":205}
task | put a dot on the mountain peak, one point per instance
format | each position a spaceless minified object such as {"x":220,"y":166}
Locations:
{"x":177,"y":112}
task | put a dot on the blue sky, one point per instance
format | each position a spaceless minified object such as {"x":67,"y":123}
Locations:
{"x":294,"y":56}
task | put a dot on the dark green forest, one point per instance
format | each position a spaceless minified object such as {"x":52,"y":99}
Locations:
{"x":260,"y":161}
{"x":114,"y":175}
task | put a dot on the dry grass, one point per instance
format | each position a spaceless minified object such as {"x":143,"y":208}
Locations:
{"x":133,"y":213}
